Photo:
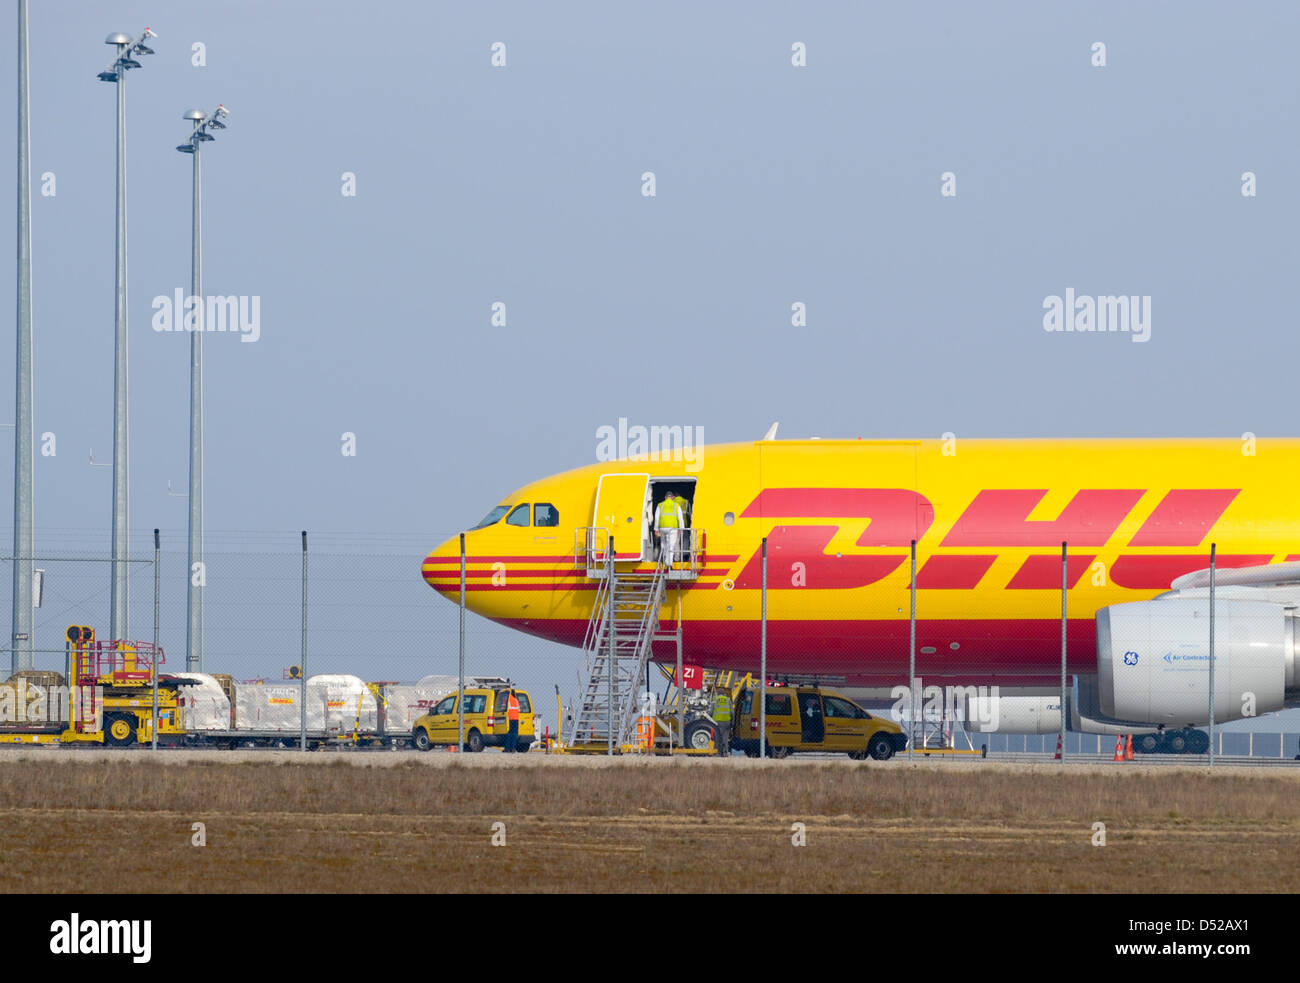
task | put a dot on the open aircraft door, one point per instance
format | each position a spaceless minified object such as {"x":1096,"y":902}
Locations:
{"x":620,"y":513}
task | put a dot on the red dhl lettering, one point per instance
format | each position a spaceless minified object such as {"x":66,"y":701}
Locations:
{"x":998,"y":518}
{"x":994,"y":518}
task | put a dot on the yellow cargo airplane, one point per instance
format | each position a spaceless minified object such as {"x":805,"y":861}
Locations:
{"x":989,"y":518}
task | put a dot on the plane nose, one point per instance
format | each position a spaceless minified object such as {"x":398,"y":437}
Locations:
{"x":441,"y":569}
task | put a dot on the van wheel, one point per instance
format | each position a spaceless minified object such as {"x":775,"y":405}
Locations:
{"x":523,"y":746}
{"x":880,"y":747}
{"x":421,"y":740}
{"x":858,"y":755}
{"x":474,"y":742}
{"x":778,"y":752}
{"x":699,"y":735}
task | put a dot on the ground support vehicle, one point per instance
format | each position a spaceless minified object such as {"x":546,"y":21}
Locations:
{"x":485,"y":724}
{"x":107,"y":697}
{"x":812,"y":718}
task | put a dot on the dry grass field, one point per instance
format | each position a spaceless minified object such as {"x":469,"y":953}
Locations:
{"x":279,"y":822}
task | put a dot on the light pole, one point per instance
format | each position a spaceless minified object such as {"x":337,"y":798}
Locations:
{"x":194,"y":597}
{"x":21,"y":630}
{"x":127,"y":49}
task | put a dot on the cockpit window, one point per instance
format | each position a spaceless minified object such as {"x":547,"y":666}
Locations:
{"x":519,"y":517}
{"x":493,"y":517}
{"x":545,"y":514}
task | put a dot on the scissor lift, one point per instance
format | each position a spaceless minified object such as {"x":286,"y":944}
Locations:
{"x":110,"y":696}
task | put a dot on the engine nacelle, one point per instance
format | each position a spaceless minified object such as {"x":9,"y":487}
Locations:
{"x":1153,"y":659}
{"x":995,"y":714}
{"x":1086,"y":716}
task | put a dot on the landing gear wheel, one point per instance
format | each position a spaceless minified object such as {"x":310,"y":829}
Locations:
{"x":1198,"y":742}
{"x":1147,"y":743}
{"x":1177,"y":743}
{"x":699,"y":736}
{"x":421,"y":740}
{"x":474,"y":742}
{"x":118,"y":731}
{"x":880,"y":747}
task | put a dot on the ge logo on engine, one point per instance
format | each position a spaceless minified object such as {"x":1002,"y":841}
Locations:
{"x":1130,"y":658}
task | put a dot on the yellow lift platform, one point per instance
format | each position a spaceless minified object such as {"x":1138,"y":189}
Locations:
{"x":109,"y":697}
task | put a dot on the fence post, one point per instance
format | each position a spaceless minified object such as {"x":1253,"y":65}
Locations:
{"x":157,"y":594}
{"x":762,"y":662}
{"x":609,"y":664}
{"x":911,"y":663}
{"x":1065,"y":624}
{"x":1212,"y":555}
{"x":460,"y":692}
{"x":302,"y":666}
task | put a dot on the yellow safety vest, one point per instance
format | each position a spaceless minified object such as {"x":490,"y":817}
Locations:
{"x":669,"y":512}
{"x":722,"y":708}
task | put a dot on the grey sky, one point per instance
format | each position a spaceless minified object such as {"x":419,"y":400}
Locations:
{"x":522,"y":185}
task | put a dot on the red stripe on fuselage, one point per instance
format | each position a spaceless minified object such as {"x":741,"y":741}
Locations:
{"x":1044,"y":572}
{"x":953,"y":572}
{"x":443,"y":576}
{"x":452,"y":588}
{"x":992,"y":651}
{"x":567,"y":558}
{"x":526,"y":558}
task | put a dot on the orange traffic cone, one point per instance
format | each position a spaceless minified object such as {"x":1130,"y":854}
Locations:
{"x":1119,"y":747}
{"x":1128,"y":750}
{"x":1059,"y":738}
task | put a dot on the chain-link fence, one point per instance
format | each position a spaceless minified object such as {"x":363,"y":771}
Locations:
{"x":985,"y":681}
{"x":368,"y":615}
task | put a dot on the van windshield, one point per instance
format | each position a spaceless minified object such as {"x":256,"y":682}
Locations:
{"x":492,"y":518}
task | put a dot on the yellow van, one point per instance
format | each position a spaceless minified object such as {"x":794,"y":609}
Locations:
{"x":485,"y":721}
{"x":810,"y":718}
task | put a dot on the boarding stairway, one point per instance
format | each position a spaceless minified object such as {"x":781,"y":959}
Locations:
{"x":618,"y":644}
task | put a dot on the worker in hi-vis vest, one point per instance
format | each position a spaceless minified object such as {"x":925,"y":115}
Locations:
{"x":512,"y":716}
{"x":722,"y":717}
{"x":668,"y":522}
